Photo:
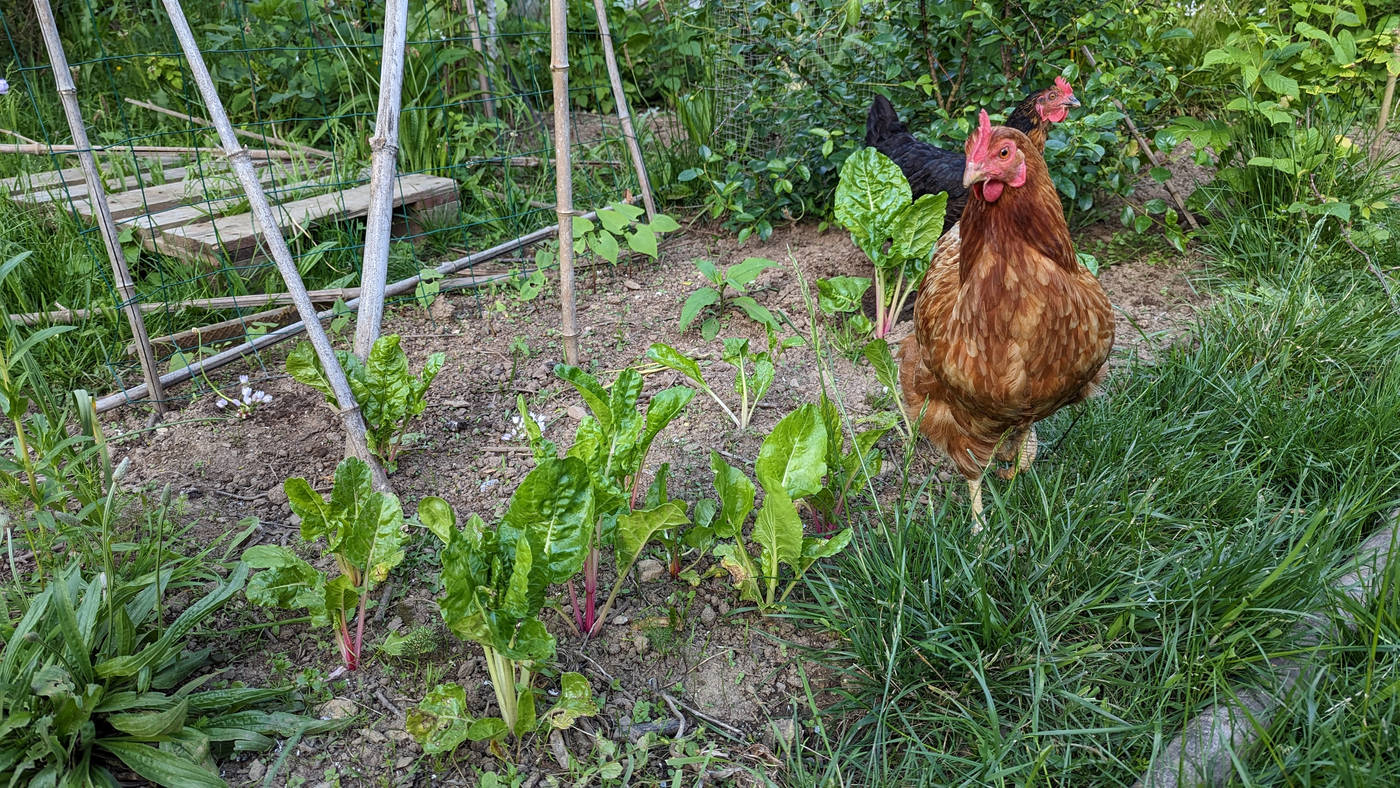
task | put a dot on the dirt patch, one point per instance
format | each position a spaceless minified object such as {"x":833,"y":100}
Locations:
{"x":672,"y":654}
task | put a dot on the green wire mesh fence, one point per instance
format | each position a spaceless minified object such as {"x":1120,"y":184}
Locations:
{"x":299,"y":79}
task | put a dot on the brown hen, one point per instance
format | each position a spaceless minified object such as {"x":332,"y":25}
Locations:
{"x":1008,"y":326}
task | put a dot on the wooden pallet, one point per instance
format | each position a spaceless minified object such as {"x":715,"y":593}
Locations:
{"x":198,"y":218}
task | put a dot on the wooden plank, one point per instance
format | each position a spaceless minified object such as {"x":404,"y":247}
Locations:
{"x":154,"y":199}
{"x":49,"y":178}
{"x":78,"y":192}
{"x":238,"y":237}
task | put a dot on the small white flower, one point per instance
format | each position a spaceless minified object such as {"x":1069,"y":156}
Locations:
{"x":247,"y":392}
{"x":243,"y":379}
{"x":4,"y":87}
{"x":221,"y":404}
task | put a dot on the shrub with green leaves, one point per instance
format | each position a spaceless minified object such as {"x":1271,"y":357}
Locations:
{"x":874,"y":202}
{"x":363,"y":530}
{"x":494,"y":584}
{"x":93,"y":683}
{"x":620,"y":222}
{"x":710,"y":300}
{"x":389,"y":394}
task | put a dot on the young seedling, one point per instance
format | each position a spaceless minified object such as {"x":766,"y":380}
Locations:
{"x":494,"y":584}
{"x":841,"y":295}
{"x":753,"y":373}
{"x":363,"y":530}
{"x":710,"y":299}
{"x":389,"y":395}
{"x":619,"y":221}
{"x":874,"y":202}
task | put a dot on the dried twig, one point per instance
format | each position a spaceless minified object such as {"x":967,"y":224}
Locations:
{"x":240,"y":132}
{"x":725,"y":728}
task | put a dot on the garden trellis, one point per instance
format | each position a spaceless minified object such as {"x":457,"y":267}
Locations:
{"x":202,"y":275}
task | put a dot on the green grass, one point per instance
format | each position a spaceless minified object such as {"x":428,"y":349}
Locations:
{"x":1159,"y":557}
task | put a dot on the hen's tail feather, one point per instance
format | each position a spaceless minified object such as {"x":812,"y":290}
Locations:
{"x":881,"y":122}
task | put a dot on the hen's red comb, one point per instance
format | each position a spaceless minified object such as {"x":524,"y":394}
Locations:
{"x":1062,"y":85}
{"x":982,"y":138}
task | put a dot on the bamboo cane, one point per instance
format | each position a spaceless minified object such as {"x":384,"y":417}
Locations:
{"x":121,"y":276}
{"x":563,"y":175}
{"x":243,"y":166}
{"x":384,"y":149}
{"x":474,"y":26}
{"x":624,"y":116}
{"x":287,"y":332}
{"x":135,"y":150}
{"x":268,"y":138}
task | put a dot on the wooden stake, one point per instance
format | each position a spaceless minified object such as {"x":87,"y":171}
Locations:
{"x":474,"y":25}
{"x":1386,"y":101}
{"x":1146,"y":147}
{"x":121,"y":276}
{"x":623,"y":115}
{"x":384,"y":149}
{"x":267,"y":138}
{"x":276,"y":243}
{"x":563,"y":176}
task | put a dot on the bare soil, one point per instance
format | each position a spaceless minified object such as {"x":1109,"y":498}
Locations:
{"x":672,"y":655}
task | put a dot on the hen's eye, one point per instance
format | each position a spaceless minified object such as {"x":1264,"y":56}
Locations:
{"x":1005,"y":152}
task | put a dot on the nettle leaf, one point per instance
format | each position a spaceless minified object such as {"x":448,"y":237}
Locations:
{"x":870,"y":194}
{"x":669,"y":357}
{"x":841,"y":294}
{"x":793,"y":456}
{"x":440,"y":723}
{"x":740,"y":275}
{"x":554,"y":508}
{"x":918,"y":226}
{"x":636,"y":529}
{"x":736,"y":497}
{"x":698,"y":300}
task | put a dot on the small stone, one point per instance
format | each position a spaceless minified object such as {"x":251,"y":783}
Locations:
{"x":641,"y":644}
{"x":620,"y":620}
{"x":723,"y":608}
{"x":370,"y":734}
{"x":337,"y":709}
{"x":614,"y":647}
{"x":256,"y":770}
{"x":649,"y":570}
{"x":708,"y":615}
{"x":576,"y":412}
{"x":404,"y":761}
{"x":294,"y":520}
{"x":630,"y":285}
{"x":401,"y":736}
{"x":782,"y":732}
{"x":276,"y":494}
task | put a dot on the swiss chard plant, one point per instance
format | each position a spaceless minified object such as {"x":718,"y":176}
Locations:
{"x":389,"y":394}
{"x":841,"y":295}
{"x":362,"y":529}
{"x":874,"y":202}
{"x":709,"y":299}
{"x":613,"y":441}
{"x":850,"y":464}
{"x":791,"y":466}
{"x":494,"y":583}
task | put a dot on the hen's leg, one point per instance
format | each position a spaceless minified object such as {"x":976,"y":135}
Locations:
{"x":974,"y":495}
{"x":1028,"y":449}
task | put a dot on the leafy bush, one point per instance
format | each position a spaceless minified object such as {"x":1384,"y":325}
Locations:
{"x":91,"y":678}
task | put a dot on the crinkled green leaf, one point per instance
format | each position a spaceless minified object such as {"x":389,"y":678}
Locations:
{"x":815,"y":549}
{"x":575,"y":701}
{"x":594,"y":395}
{"x":554,"y":506}
{"x":870,"y":194}
{"x":525,"y":717}
{"x":916,"y":229}
{"x":305,"y":367}
{"x":778,"y":531}
{"x":373,"y":542}
{"x":793,"y":456}
{"x":841,"y":294}
{"x":308,"y":504}
{"x":739,"y":572}
{"x":518,"y":601}
{"x":286,"y":581}
{"x":437,"y":516}
{"x":669,"y":357}
{"x":440,"y":723}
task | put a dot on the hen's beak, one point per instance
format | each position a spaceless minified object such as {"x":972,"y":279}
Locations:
{"x":972,"y":173}
{"x":1071,"y":102}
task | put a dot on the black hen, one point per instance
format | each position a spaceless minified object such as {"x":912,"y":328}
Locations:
{"x":932,"y":169}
